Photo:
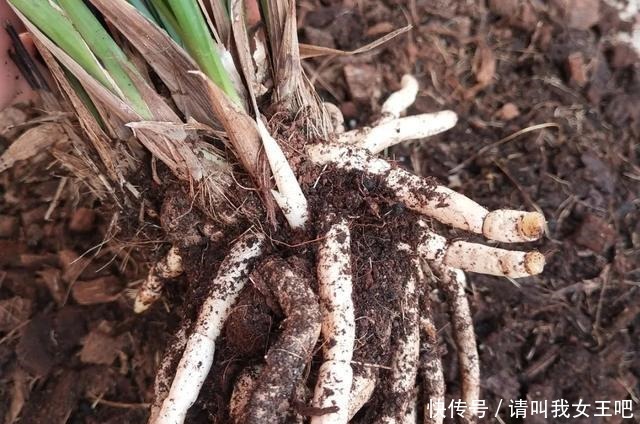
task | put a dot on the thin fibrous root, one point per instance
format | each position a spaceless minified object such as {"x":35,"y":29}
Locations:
{"x":404,"y":365}
{"x":430,"y":365}
{"x":289,"y":195}
{"x":400,"y":100}
{"x":288,"y":356}
{"x":439,"y":202}
{"x":338,"y":323}
{"x":364,"y":383}
{"x":198,"y":353}
{"x":477,"y":257}
{"x":243,"y":388}
{"x":151,"y":289}
{"x":395,"y":131}
{"x":452,"y":283}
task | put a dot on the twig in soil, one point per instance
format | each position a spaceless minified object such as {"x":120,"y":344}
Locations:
{"x":479,"y":258}
{"x":605,"y":284}
{"x":167,"y":268}
{"x":198,"y":354}
{"x":338,"y":323}
{"x":507,"y":139}
{"x":122,"y":405}
{"x":404,"y":367}
{"x":439,"y":202}
{"x":452,"y":282}
{"x":288,"y":356}
{"x":56,"y":198}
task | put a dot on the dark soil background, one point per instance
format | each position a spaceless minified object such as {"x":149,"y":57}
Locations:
{"x":549,"y":107}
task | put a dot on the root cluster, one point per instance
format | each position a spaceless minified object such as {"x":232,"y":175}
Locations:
{"x":359,"y":212}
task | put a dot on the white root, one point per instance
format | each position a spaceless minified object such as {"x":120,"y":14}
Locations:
{"x":338,"y":324}
{"x":335,"y":116}
{"x":162,"y":381}
{"x":411,"y":415}
{"x":409,"y":128}
{"x":391,"y":129}
{"x":288,"y":356}
{"x":396,"y":131}
{"x":404,"y":365}
{"x":430,"y":364}
{"x":289,"y":196}
{"x":439,"y":202}
{"x":399,"y":101}
{"x":432,"y":374}
{"x":242,"y":391}
{"x":362,"y":388}
{"x":477,"y":257}
{"x":198,"y":354}
{"x":453,"y":283}
{"x":151,"y":289}
{"x":364,"y":383}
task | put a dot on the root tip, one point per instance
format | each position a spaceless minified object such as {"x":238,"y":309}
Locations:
{"x":139,"y":307}
{"x":534,"y":263}
{"x":409,"y":80}
{"x":532,"y":225}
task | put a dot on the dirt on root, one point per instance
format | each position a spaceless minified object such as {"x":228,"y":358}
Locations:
{"x":549,"y":112}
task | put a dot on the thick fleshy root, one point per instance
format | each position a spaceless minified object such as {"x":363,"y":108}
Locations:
{"x":338,"y":324}
{"x":430,"y":366}
{"x":399,"y":101}
{"x":411,"y":414}
{"x":198,"y":354}
{"x":396,"y":131}
{"x":167,"y":268}
{"x":439,"y":202}
{"x":477,"y":257}
{"x":362,"y":387}
{"x":452,"y":282}
{"x":242,"y":390}
{"x":288,"y":356}
{"x":390,"y":129}
{"x":162,"y":382}
{"x":404,"y":365}
{"x":289,"y":195}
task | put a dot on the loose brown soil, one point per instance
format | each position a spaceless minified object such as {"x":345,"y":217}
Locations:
{"x":549,"y":120}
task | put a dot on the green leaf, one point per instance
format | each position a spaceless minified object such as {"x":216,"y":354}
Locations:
{"x":200,"y":44}
{"x":105,"y":48}
{"x":56,"y":25}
